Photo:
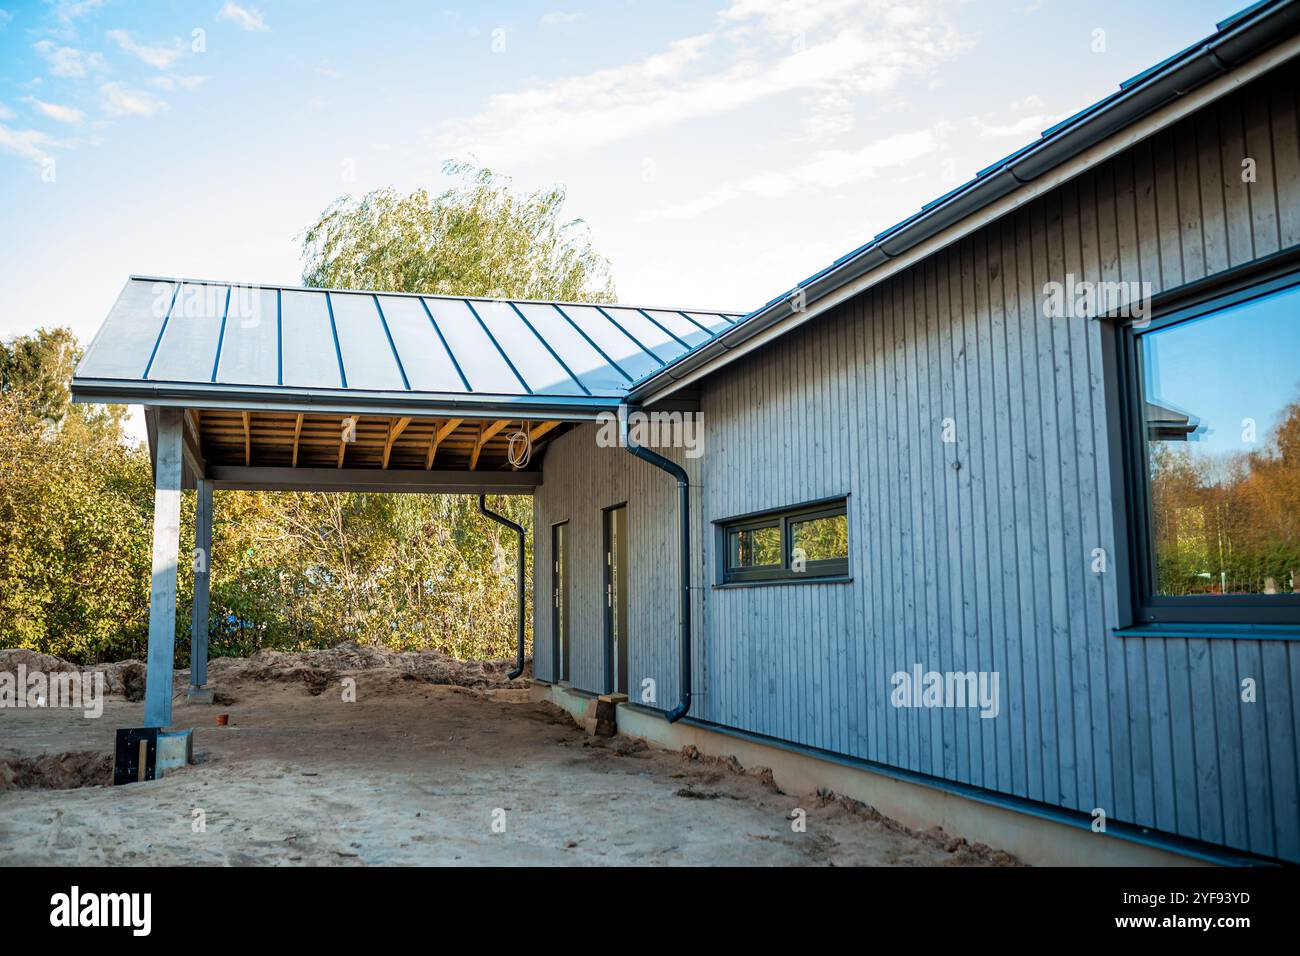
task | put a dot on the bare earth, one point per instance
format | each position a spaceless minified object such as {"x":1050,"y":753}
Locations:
{"x":413,"y":772}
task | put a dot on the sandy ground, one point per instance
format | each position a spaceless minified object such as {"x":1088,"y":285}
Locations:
{"x":412,"y":772}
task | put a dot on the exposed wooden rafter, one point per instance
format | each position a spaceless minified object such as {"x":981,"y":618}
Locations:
{"x":485,"y":434}
{"x":297,"y":436}
{"x":440,"y":432}
{"x":343,"y":435}
{"x":541,"y":429}
{"x":395,"y":429}
{"x":305,"y":439}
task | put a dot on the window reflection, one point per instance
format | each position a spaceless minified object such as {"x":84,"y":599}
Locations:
{"x":1222,"y":411}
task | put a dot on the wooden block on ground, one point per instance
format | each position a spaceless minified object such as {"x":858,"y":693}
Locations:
{"x":606,"y":721}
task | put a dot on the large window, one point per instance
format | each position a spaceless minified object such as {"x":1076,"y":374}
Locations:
{"x":1214,"y":458}
{"x":808,"y":543}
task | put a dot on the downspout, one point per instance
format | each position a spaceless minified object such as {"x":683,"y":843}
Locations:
{"x":684,"y":533}
{"x":519,"y":581}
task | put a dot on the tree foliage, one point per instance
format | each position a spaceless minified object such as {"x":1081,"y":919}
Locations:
{"x":476,"y":238}
{"x":289,"y":570}
{"x":1228,"y":523}
{"x":76,"y":509}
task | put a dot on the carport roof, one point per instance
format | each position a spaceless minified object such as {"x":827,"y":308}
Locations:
{"x":229,"y":345}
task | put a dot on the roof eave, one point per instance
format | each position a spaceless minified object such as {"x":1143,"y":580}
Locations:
{"x":1254,"y":33}
{"x":431,"y":404}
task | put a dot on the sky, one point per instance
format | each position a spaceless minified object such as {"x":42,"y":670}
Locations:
{"x":718,"y":150}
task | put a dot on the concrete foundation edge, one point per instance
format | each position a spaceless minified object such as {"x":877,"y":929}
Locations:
{"x":1030,"y":838}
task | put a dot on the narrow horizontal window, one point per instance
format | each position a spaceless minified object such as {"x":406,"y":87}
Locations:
{"x":805,"y":543}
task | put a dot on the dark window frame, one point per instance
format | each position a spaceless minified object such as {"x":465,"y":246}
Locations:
{"x":833,"y":569}
{"x":1185,"y":305}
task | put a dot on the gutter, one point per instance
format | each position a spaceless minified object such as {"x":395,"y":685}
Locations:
{"x":684,"y":534}
{"x":341,"y":401}
{"x":1239,"y":39}
{"x":519,"y":583}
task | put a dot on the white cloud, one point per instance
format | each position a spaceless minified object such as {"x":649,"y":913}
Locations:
{"x":5,"y":18}
{"x":120,"y":100}
{"x":246,"y":18}
{"x":67,"y":10}
{"x":68,"y":61}
{"x":827,"y":169}
{"x":174,"y":82}
{"x":1024,"y":119}
{"x":827,"y":58}
{"x":5,"y":112}
{"x":58,"y":112}
{"x":559,"y":16}
{"x":160,"y":57}
{"x":27,"y":143}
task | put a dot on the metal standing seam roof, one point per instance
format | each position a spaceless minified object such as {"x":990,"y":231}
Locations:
{"x":174,"y":338}
{"x":469,"y":351}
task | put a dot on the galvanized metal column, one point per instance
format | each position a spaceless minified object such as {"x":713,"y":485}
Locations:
{"x":202,"y":578}
{"x":166,"y":545}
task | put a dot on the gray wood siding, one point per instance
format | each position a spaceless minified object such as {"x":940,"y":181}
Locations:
{"x":974,"y":555}
{"x":582,"y":479}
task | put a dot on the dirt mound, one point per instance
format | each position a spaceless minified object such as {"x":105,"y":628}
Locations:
{"x":65,"y":771}
{"x":124,"y":678}
{"x":314,"y":669}
{"x":317,"y":669}
{"x":12,"y":657}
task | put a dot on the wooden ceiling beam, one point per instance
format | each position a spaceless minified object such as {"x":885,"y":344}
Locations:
{"x":344,"y":429}
{"x":440,"y":433}
{"x":541,"y":429}
{"x":485,"y":434}
{"x":297,"y":434}
{"x":395,"y":428}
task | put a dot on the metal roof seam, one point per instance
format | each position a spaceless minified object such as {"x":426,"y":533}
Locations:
{"x":547,"y":345}
{"x":221,"y":335}
{"x":578,"y":348}
{"x":492,"y":338}
{"x":158,"y":341}
{"x":401,"y":369}
{"x":141,"y":277}
{"x":279,"y":338}
{"x":443,"y":339}
{"x":706,"y":331}
{"x":338,"y":351}
{"x":665,"y":329}
{"x":592,"y":343}
{"x":634,"y":339}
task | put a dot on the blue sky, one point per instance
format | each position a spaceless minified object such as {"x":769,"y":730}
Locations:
{"x":719,"y":151}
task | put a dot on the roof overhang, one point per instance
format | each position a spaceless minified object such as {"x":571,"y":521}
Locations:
{"x":281,"y":387}
{"x":1246,"y":46}
{"x":338,"y":401}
